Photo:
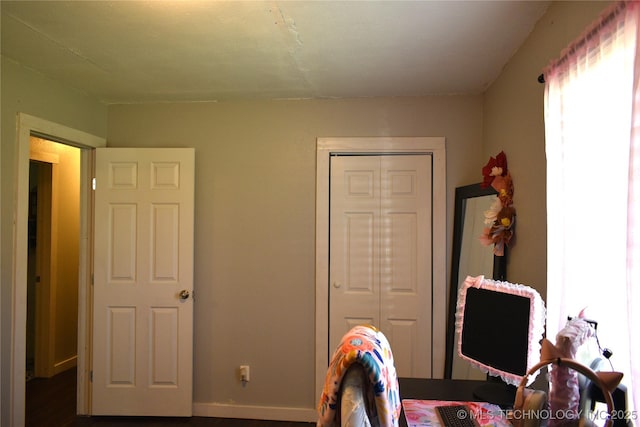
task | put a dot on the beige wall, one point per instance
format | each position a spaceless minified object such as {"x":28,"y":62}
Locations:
{"x":255,"y":221}
{"x":68,"y":242}
{"x":514,"y":122}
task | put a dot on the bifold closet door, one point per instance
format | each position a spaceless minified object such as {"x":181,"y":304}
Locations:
{"x":380,"y":253}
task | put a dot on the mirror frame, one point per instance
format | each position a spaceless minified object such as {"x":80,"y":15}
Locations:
{"x":499,"y":264}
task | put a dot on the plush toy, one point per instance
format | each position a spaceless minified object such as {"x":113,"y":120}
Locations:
{"x":551,"y":355}
{"x":564,"y":393}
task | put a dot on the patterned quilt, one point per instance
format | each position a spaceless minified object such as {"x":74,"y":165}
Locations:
{"x":369,"y":347}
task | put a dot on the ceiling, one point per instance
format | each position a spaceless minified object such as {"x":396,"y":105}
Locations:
{"x":166,"y":51}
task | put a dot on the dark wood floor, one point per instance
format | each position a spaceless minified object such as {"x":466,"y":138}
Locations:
{"x":52,"y":403}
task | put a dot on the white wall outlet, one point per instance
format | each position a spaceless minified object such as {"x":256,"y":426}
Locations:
{"x":244,"y":373}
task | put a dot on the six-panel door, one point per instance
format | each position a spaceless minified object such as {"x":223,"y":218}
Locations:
{"x":381,"y":253}
{"x":143,"y":282}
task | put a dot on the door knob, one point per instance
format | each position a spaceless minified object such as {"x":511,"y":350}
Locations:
{"x":336,"y":285}
{"x":184,"y":294}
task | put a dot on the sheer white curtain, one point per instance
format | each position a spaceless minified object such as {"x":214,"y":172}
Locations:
{"x":592,"y":131}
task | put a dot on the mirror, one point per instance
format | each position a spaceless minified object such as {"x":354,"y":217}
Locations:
{"x":469,"y":258}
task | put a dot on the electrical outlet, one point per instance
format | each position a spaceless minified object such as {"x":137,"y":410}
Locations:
{"x":244,"y":373}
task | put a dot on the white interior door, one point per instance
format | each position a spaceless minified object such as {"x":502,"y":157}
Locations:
{"x":380,"y":253}
{"x":143,"y":281}
{"x":355,"y":244}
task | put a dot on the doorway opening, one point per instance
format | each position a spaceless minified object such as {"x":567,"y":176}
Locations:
{"x":53,"y":260}
{"x":29,"y":126}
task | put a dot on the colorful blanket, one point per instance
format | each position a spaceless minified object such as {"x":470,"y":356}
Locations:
{"x":422,"y":413}
{"x":369,"y":347}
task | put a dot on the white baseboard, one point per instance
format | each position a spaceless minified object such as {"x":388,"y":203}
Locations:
{"x":273,"y":413}
{"x":65,"y":364}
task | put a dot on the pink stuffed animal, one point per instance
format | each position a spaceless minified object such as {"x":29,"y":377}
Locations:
{"x":564,"y":395}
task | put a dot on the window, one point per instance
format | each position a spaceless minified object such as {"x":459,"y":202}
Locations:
{"x":592,"y":132}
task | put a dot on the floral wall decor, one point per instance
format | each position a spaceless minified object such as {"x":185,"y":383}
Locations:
{"x":501,"y":216}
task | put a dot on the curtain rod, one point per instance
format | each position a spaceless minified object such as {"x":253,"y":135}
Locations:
{"x":616,"y":10}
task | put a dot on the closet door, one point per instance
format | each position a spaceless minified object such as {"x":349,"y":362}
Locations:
{"x":380,"y":253}
{"x":354,"y":244}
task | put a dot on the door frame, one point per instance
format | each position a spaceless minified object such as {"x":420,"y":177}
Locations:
{"x":27,"y":126}
{"x":325,"y":148}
